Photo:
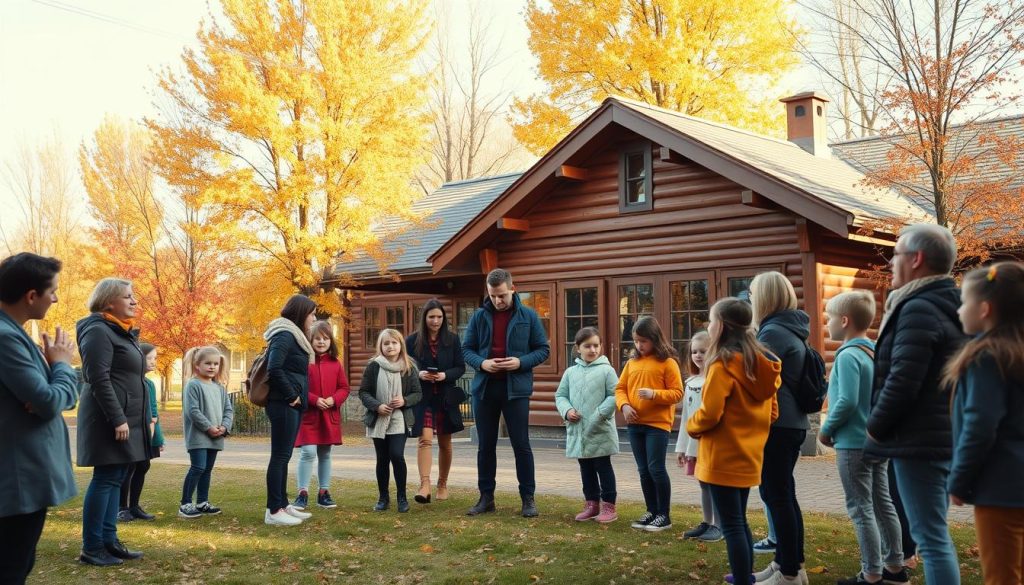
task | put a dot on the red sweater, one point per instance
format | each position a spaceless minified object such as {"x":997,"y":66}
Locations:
{"x":323,"y":427}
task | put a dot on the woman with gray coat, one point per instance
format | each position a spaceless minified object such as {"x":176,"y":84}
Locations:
{"x":113,"y":415}
{"x":586,"y":401}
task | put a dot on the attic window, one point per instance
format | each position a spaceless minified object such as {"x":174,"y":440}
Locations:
{"x":636,"y":182}
{"x":800,"y":112}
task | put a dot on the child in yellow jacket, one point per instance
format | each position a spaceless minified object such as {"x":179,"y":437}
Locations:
{"x":649,"y":388}
{"x":737,"y":409}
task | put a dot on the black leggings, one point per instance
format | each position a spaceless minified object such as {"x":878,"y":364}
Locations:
{"x":131,"y":487}
{"x":391,"y":449}
{"x":778,"y":490}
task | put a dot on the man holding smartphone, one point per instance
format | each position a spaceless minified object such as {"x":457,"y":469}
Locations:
{"x":503,"y":342}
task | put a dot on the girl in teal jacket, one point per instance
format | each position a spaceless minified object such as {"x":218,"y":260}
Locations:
{"x":586,"y":400}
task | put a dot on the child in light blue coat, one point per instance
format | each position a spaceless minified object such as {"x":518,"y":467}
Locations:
{"x":586,"y":400}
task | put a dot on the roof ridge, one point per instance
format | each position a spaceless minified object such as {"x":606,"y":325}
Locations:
{"x":722,"y":125}
{"x":479,"y":179}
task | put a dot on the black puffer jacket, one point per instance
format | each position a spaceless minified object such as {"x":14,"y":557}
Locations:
{"x":114,"y":393}
{"x":287,"y":369}
{"x":909,"y":408}
{"x":785,"y":334}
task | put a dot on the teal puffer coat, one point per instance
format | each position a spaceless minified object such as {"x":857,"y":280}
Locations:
{"x":590,"y":389}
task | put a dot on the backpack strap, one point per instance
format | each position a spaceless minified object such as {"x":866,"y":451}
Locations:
{"x":865,"y":349}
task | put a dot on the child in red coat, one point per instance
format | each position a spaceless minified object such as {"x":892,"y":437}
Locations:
{"x":321,"y":423}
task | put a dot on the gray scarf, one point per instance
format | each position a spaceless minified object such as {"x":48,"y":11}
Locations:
{"x":906,"y":291}
{"x":389,"y":385}
{"x":281,"y":324}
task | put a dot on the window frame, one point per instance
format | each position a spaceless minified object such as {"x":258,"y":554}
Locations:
{"x":643,"y":147}
{"x":383,"y":307}
{"x":746,"y":272}
{"x":551,"y":367}
{"x":568,"y":336}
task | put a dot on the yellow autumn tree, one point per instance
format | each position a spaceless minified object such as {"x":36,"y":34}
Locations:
{"x":717,"y":59}
{"x":301,"y":123}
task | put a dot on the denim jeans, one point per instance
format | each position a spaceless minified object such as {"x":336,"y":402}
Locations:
{"x":909,"y":546}
{"x":19,"y":535}
{"x":198,"y":477}
{"x":923,"y":486}
{"x":284,"y":427}
{"x":731,"y":505}
{"x":866,"y":484}
{"x":488,"y":409}
{"x":649,"y":445}
{"x":100,"y":506}
{"x":778,"y":490}
{"x":598,"y":478}
{"x":322,"y":455}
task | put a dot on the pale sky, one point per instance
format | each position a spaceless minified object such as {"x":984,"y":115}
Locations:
{"x":64,"y":64}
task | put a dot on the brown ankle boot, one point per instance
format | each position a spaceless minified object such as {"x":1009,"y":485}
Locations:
{"x":423,"y":495}
{"x":442,"y":489}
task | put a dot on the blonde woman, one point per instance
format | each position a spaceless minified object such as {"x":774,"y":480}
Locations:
{"x":783,"y":329}
{"x":113,"y":415}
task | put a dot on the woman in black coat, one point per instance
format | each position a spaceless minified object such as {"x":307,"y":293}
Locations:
{"x":439,"y":356}
{"x":113,"y":415}
{"x":289,"y":355}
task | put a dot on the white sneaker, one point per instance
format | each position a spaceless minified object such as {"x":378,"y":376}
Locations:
{"x":804,"y":579}
{"x":292,"y":511}
{"x":767,"y":573}
{"x":780,"y":579}
{"x":281,"y":518}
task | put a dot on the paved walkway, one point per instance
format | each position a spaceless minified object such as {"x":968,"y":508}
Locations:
{"x":818,"y":487}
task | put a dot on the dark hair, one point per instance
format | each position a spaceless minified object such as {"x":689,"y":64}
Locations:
{"x":585,"y":334}
{"x":324,"y":328}
{"x":146,"y":348}
{"x":26,"y":272}
{"x":648,"y":328}
{"x":1002,"y":286}
{"x":737,"y":335}
{"x":499,"y":276}
{"x":297,"y":309}
{"x":444,"y":336}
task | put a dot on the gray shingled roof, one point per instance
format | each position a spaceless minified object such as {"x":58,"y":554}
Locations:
{"x":830,"y":179}
{"x":449,"y":208}
{"x":867,"y":154}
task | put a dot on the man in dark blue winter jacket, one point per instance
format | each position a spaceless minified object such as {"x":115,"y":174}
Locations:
{"x":503,"y":343}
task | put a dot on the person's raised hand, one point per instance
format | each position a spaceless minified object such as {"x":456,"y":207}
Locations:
{"x":59,"y":348}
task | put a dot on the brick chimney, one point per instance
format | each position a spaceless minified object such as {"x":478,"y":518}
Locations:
{"x":806,"y":122}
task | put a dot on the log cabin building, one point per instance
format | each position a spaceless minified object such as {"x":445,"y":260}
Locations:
{"x":638,"y":211}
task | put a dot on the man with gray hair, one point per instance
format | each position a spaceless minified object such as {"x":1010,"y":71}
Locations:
{"x":909,"y":420}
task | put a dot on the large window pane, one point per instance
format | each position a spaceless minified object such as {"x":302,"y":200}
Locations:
{"x":634,"y":301}
{"x":396,"y":319}
{"x":372,"y":325}
{"x":739,"y":286}
{"x":689,"y":311}
{"x":580,"y":311}
{"x":463,"y":313}
{"x":540,"y":301}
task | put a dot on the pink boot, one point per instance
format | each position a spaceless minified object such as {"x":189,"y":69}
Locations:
{"x":607,"y":513}
{"x":589,"y":511}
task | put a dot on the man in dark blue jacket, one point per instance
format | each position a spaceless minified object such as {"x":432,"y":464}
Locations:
{"x":909,"y":420}
{"x":503,"y":342}
{"x":35,"y":388}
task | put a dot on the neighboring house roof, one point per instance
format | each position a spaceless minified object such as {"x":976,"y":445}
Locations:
{"x":868,"y":154}
{"x":446,"y":210}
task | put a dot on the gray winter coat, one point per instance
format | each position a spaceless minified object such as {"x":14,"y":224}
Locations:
{"x":590,"y":390}
{"x":114,"y":392}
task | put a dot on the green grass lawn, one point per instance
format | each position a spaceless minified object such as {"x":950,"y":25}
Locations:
{"x":431,"y":544}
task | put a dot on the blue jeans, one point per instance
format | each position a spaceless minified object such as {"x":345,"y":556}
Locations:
{"x":322,"y":455}
{"x":598,"y":477}
{"x":922,"y":484}
{"x":649,"y":445}
{"x":284,"y":427}
{"x":100,"y":506}
{"x":778,"y":490}
{"x":866,"y":485}
{"x":488,"y":409}
{"x":198,"y":477}
{"x":731,"y":506}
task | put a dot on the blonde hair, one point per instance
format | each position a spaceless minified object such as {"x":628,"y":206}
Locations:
{"x":856,"y":305}
{"x":691,"y":368}
{"x":197,"y":354}
{"x":771,"y":292}
{"x":403,"y":354}
{"x":105,"y":292}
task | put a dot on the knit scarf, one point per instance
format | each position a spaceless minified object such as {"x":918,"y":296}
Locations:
{"x":126,"y":324}
{"x":281,"y":324}
{"x":906,"y":291}
{"x":389,"y":385}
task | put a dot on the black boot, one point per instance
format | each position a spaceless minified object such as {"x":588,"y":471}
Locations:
{"x":138,"y":512}
{"x":99,"y":558}
{"x":403,"y":503}
{"x":119,"y":550}
{"x":482,"y":506}
{"x":529,"y":507}
{"x":383,"y":502}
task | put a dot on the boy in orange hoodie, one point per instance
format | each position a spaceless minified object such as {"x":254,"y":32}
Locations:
{"x":647,"y":393}
{"x":737,"y":409}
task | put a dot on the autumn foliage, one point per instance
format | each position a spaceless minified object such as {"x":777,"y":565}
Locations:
{"x":707,"y":58}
